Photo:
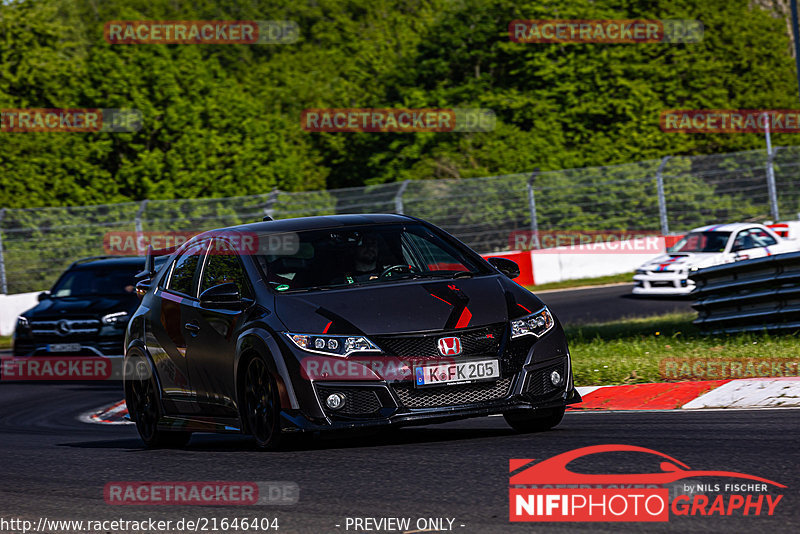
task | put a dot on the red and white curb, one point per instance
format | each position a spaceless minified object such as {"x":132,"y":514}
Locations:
{"x":746,"y":393}
{"x":108,"y":415}
{"x":751,"y":393}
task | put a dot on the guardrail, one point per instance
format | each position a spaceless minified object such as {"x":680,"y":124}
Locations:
{"x":749,"y":296}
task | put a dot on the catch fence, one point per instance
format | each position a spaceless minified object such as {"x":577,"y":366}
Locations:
{"x":668,"y":195}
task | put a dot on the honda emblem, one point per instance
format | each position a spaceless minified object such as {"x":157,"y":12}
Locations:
{"x":449,"y":346}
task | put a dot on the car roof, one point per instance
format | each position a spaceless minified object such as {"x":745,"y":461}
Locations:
{"x":730,"y":227}
{"x":318,"y":222}
{"x":109,"y":262}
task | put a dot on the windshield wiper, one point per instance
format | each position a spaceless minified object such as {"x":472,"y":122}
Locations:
{"x":459,"y":274}
{"x":303,"y":289}
{"x":322,"y":288}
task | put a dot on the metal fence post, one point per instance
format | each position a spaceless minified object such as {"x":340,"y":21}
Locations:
{"x":269,"y":209}
{"x":662,"y":201}
{"x":534,"y":241}
{"x":138,"y":222}
{"x":398,"y":197}
{"x":3,"y":282}
{"x":771,"y":190}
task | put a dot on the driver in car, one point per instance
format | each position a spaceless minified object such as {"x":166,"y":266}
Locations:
{"x":366,"y":265}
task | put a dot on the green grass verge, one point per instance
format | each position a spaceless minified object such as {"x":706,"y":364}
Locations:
{"x":600,"y":280}
{"x":630,"y":351}
{"x":5,"y":342}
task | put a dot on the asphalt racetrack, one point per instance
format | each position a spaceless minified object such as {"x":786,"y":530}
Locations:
{"x":609,"y":303}
{"x":55,"y":466}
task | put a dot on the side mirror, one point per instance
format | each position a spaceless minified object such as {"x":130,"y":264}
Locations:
{"x":505,"y":266}
{"x":142,"y":287}
{"x":225,"y":296}
{"x":43,"y":296}
{"x":149,"y":265}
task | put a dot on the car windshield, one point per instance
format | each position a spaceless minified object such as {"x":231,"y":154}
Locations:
{"x":702,"y":242}
{"x":85,"y":282}
{"x":341,"y":257}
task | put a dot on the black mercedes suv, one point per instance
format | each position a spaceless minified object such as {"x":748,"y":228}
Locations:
{"x":85,"y":313}
{"x":338,"y":322}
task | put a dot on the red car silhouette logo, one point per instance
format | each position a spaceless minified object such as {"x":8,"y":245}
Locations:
{"x":554,"y":470}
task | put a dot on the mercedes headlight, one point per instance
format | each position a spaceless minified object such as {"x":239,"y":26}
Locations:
{"x":537,"y":324}
{"x":118,"y":318}
{"x":23,"y":326}
{"x":332,"y":345}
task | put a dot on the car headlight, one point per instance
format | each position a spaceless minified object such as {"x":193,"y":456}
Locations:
{"x":118,"y":318}
{"x":23,"y":326}
{"x":332,"y":345}
{"x":537,"y":324}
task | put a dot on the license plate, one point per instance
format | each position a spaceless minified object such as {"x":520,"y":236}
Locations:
{"x":64,"y":347}
{"x":456,"y":373}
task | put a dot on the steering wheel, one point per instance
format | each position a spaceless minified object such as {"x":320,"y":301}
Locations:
{"x":387,"y":272}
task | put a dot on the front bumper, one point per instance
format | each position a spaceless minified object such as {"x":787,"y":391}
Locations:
{"x":384,"y":398}
{"x":667,"y":283}
{"x":393,"y":404}
{"x":111,"y":348}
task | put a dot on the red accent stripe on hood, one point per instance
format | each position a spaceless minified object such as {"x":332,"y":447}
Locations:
{"x":440,"y":298}
{"x":463,"y":321}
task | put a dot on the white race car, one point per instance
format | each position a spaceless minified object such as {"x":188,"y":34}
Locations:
{"x":668,"y":274}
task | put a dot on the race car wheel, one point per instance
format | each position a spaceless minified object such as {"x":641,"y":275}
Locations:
{"x":534,"y":420}
{"x":261,"y":405}
{"x":144,"y":407}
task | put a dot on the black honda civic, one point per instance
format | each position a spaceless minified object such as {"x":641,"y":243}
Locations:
{"x":338,"y":322}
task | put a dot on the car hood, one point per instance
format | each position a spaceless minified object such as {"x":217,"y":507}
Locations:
{"x":408,"y":306}
{"x":682,"y":261}
{"x":82,"y":306}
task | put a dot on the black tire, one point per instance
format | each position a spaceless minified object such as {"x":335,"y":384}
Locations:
{"x":261,"y":405}
{"x":145,"y":409}
{"x":534,"y":420}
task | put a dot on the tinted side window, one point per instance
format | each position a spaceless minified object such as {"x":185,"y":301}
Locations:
{"x":746,"y":240}
{"x":224,"y":266}
{"x":739,"y":243}
{"x":185,"y":269}
{"x":762,"y":238}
